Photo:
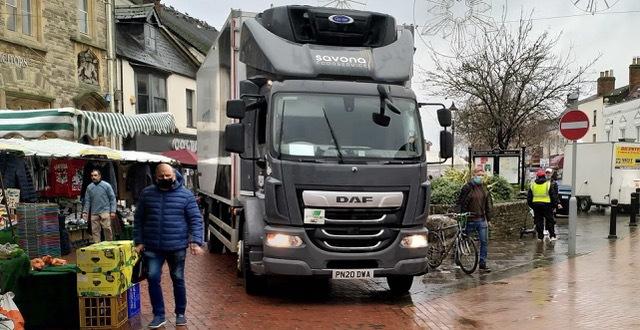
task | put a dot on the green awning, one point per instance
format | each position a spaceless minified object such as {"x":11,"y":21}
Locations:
{"x":96,"y":124}
{"x":72,"y":124}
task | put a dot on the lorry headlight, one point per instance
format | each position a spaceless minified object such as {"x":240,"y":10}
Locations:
{"x":414,"y":241}
{"x":280,"y":240}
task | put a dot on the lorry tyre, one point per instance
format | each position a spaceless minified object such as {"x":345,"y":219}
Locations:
{"x":399,"y":284}
{"x":584,"y":204}
{"x":253,"y":284}
{"x":214,"y":245}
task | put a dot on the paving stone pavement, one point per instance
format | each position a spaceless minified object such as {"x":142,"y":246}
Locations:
{"x":532,"y":286}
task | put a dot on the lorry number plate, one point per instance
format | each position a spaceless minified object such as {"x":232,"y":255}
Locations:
{"x":352,"y":274}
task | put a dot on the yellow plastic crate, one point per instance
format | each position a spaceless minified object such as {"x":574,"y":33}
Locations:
{"x":106,"y":256}
{"x":104,"y":284}
{"x":103,"y":312}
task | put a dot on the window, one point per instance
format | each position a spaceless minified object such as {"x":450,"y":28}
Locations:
{"x":622,"y":135}
{"x":190,"y":108}
{"x":151,"y":93}
{"x":594,"y":138}
{"x":20,"y":16}
{"x":83,"y":16}
{"x":12,"y":14}
{"x":595,"y":116}
{"x":637,"y":133}
{"x":149,"y":37}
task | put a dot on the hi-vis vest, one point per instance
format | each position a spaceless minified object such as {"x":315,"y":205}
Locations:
{"x":541,"y":192}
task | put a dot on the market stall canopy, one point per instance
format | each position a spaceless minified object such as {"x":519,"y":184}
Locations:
{"x":72,"y":124}
{"x":184,"y":156}
{"x":58,"y":148}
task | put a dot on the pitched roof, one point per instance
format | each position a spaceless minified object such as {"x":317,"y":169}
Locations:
{"x":195,"y":32}
{"x":130,"y":43}
{"x":133,"y":12}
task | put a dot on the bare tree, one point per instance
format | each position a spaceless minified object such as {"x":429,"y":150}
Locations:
{"x":511,"y":81}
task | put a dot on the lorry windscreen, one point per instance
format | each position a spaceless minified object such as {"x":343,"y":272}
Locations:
{"x":303,"y":125}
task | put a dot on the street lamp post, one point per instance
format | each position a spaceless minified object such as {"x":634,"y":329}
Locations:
{"x":453,"y":132}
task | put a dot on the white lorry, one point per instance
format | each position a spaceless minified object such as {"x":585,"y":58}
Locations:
{"x":604,"y":171}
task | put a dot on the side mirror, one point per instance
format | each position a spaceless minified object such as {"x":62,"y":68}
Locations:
{"x":234,"y":138}
{"x":446,"y":144}
{"x":380,"y":119}
{"x":444,"y":117}
{"x":236,"y":109}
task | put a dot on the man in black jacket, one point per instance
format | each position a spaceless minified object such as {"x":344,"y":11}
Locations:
{"x":475,"y":198}
{"x":542,"y":198}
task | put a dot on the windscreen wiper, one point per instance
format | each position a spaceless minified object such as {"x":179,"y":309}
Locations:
{"x":333,"y":136}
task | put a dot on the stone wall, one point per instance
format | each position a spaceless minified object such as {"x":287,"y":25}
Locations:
{"x":48,"y":70}
{"x":508,"y":218}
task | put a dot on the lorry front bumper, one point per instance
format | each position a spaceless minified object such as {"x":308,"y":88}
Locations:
{"x":309,"y":259}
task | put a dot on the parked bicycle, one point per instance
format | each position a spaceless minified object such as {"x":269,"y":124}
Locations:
{"x":465,"y":251}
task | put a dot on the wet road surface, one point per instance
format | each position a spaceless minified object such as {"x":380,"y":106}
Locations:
{"x":532,"y":285}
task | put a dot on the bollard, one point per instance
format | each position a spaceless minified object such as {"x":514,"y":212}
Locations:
{"x":635,"y":206}
{"x":612,"y":219}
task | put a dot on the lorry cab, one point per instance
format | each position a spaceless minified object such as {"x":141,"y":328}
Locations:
{"x":317,"y":164}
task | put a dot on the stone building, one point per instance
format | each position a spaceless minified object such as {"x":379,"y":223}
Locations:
{"x":53,"y":54}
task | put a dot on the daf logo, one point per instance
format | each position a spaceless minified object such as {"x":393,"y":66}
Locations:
{"x":354,"y":199}
{"x":341,"y":19}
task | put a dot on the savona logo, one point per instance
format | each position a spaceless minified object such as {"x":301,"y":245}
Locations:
{"x":354,"y":199}
{"x":341,"y":59}
{"x":341,"y":19}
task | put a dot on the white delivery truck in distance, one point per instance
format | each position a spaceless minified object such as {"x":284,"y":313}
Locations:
{"x":604,"y":171}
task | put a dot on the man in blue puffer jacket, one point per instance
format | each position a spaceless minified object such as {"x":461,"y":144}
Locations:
{"x":167,"y":222}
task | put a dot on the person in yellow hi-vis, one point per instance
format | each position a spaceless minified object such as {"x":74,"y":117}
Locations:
{"x":542,"y":198}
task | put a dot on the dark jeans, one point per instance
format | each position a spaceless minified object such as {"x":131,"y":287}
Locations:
{"x":481,"y":227}
{"x":543,"y":213}
{"x":175,"y":260}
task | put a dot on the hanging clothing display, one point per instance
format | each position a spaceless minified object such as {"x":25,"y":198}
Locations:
{"x":138,"y":178}
{"x":15,"y":175}
{"x":65,"y":178}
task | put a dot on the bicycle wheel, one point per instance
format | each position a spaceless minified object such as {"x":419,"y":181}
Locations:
{"x":435,"y":251}
{"x":466,"y":254}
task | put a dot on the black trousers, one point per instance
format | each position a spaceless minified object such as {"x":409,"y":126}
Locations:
{"x":543,"y":215}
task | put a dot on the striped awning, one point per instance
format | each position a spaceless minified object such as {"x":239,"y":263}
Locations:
{"x":72,"y":124}
{"x":35,"y":124}
{"x":96,"y":124}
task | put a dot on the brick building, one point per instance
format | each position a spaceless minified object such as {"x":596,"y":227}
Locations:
{"x":53,"y":54}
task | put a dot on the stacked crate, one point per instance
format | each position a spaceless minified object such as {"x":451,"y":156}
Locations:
{"x":38,"y":229}
{"x":103,"y":280}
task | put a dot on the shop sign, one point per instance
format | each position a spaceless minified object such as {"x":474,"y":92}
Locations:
{"x":16,"y":60}
{"x":627,"y":157}
{"x":179,"y":144}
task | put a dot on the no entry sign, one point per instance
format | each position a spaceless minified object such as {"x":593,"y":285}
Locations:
{"x":574,"y":125}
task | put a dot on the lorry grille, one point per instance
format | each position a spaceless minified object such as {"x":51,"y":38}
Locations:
{"x":352,"y":239}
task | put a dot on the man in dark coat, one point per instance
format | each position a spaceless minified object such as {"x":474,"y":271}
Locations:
{"x":475,"y":199}
{"x":167,"y":222}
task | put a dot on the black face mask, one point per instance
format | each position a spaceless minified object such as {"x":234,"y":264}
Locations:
{"x":165,"y":183}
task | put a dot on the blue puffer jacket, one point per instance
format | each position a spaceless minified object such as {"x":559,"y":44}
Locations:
{"x":167,"y":220}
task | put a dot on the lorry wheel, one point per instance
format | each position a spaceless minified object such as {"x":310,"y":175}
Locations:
{"x":399,"y":284}
{"x":584,"y":204}
{"x":214,"y":245}
{"x":253,"y":284}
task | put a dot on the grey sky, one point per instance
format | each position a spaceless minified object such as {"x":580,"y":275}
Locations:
{"x":611,"y":35}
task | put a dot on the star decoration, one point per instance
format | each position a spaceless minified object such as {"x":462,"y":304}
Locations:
{"x":457,"y":20}
{"x":594,"y":6}
{"x":341,"y":4}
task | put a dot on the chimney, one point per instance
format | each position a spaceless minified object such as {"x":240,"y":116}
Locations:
{"x":634,"y":76}
{"x":606,"y":83}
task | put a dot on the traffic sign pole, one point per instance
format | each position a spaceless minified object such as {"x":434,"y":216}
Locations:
{"x":573,"y":125}
{"x":573,"y":202}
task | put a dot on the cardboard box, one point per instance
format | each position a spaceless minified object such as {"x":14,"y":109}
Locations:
{"x":104,"y":284}
{"x":108,"y":256}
